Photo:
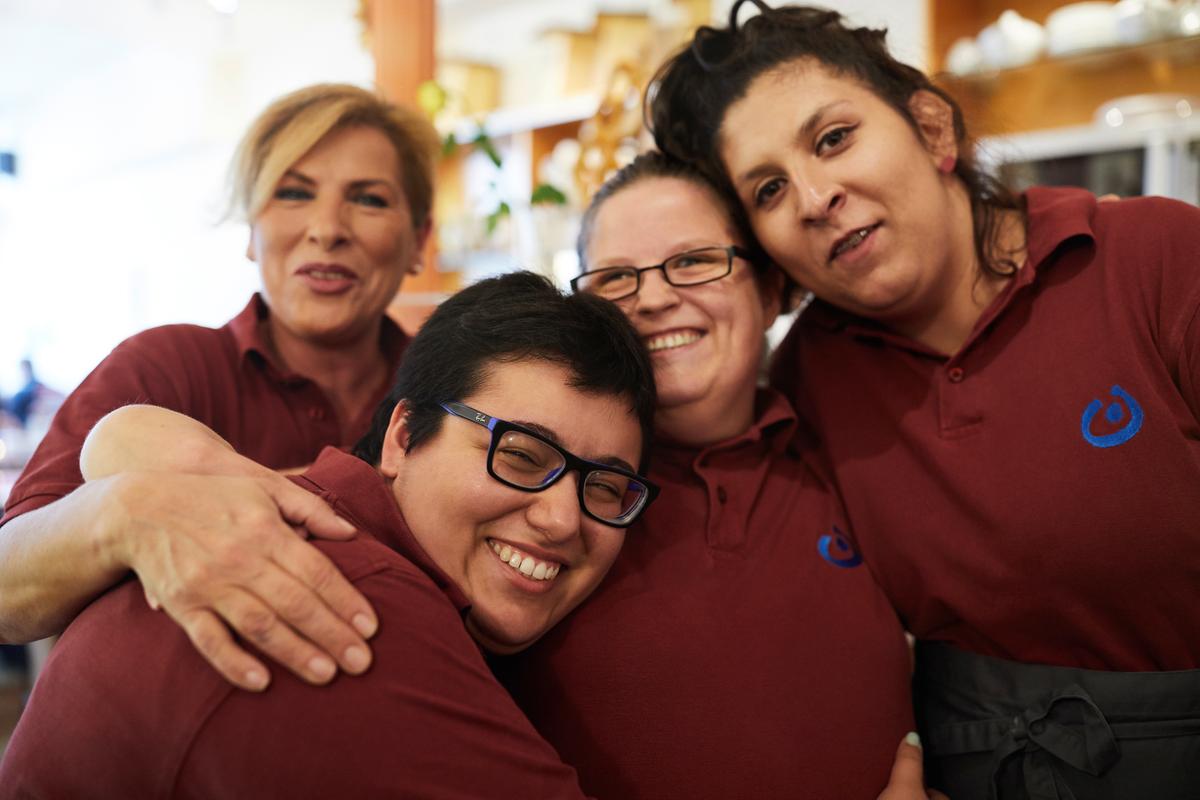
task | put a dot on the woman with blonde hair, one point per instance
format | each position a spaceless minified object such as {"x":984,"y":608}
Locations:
{"x":337,"y":187}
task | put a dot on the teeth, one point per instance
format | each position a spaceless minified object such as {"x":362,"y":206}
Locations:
{"x":528,"y":566}
{"x":326,"y":276}
{"x":852,"y":241}
{"x":670,"y":340}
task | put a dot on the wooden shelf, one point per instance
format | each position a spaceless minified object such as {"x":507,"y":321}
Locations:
{"x":1054,"y":92}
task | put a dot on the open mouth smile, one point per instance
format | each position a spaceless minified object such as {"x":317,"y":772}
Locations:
{"x":851,"y":240}
{"x":529,"y":566}
{"x":669,"y":340}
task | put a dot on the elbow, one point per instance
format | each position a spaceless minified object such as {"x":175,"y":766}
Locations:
{"x":109,"y":437}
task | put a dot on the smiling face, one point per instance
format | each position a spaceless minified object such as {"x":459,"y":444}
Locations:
{"x":335,"y":239}
{"x":523,"y":559}
{"x":846,"y":196}
{"x":705,"y":341}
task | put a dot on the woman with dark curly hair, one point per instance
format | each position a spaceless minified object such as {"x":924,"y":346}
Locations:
{"x":1006,"y":390}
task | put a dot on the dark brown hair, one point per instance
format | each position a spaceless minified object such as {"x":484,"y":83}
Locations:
{"x":692,"y":91}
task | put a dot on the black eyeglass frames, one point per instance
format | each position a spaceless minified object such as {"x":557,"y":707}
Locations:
{"x":689,"y":268}
{"x":525,"y":460}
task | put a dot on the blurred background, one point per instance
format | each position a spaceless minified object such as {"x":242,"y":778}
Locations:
{"x":117,"y":120}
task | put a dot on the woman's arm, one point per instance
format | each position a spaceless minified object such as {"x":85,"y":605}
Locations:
{"x":212,"y":548}
{"x":213,"y":538}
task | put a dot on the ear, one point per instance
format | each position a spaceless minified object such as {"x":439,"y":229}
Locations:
{"x":395,"y":442}
{"x":770,"y":294}
{"x":250,"y":245}
{"x":421,"y":248}
{"x":935,"y":121}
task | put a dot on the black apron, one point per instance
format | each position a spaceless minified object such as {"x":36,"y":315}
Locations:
{"x":1003,"y":730}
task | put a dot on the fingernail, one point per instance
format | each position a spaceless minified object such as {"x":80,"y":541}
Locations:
{"x":366,"y":626}
{"x":357,"y":659}
{"x":347,"y":526}
{"x":913,"y":738}
{"x":321,"y":668}
{"x":256,"y":680}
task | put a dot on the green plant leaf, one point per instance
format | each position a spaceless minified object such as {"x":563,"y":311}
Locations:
{"x":548,"y":194}
{"x":449,"y":145}
{"x":485,"y":143}
{"x":493,"y":219}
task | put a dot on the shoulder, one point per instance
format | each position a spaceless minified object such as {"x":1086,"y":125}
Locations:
{"x":167,"y":339}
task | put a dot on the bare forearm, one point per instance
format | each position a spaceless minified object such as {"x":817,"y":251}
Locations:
{"x":54,"y":561}
{"x":153,"y":439}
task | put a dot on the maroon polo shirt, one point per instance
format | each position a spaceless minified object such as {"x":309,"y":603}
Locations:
{"x":723,"y":657}
{"x":226,"y":378}
{"x":127,"y":708}
{"x":1035,"y":496}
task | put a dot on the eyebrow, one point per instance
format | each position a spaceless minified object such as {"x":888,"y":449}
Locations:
{"x":547,"y":433}
{"x":803,"y":134}
{"x":356,"y":184}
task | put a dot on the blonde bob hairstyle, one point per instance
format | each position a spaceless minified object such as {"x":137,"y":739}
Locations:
{"x":296,"y":122}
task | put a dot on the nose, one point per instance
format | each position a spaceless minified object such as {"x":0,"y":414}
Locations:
{"x":655,"y":293}
{"x":555,"y":512}
{"x":327,"y":226}
{"x":818,"y":194}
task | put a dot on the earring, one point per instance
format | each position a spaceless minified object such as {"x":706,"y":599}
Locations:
{"x":947,"y":165}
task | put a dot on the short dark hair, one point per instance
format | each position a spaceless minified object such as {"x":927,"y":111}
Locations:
{"x":515,"y":317}
{"x":692,"y":91}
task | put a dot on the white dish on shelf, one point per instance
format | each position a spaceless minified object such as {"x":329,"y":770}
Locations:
{"x":1145,"y":20}
{"x":1011,"y":41}
{"x":964,"y":57}
{"x":1079,"y":27}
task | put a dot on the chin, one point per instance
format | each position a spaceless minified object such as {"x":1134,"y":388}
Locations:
{"x":504,"y":640}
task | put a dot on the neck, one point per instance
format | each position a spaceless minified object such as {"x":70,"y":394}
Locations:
{"x":705,"y":422}
{"x":349,"y":374}
{"x":971,"y":289}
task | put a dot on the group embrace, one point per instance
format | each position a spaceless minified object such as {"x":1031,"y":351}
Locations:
{"x":566,"y":545}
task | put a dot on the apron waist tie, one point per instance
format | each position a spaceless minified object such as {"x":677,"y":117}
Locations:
{"x":1066,"y":728}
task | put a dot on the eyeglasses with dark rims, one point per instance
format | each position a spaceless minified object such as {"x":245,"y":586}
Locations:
{"x":690,"y":268}
{"x":528,"y":461}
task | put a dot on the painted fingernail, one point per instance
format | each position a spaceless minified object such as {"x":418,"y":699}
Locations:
{"x":256,"y":680}
{"x":321,"y":668}
{"x":913,"y":738}
{"x":366,"y":626}
{"x":357,"y":659}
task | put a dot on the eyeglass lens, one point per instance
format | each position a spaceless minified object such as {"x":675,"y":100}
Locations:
{"x":530,"y":463}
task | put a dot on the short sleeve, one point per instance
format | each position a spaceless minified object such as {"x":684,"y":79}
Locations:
{"x":427,"y":720}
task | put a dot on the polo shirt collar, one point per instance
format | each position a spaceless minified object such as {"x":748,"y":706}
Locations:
{"x":247,"y":332}
{"x":774,"y":425}
{"x":359,"y":492}
{"x":1055,"y":215}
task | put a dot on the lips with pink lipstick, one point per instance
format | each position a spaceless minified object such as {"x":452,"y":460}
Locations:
{"x":327,"y":278}
{"x":851,"y":241}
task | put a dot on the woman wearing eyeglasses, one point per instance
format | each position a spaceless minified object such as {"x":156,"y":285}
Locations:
{"x":738,"y":647}
{"x":1006,"y":386}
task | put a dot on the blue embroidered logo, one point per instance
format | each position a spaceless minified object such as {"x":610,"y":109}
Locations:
{"x":1114,"y":414}
{"x":837,"y":550}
